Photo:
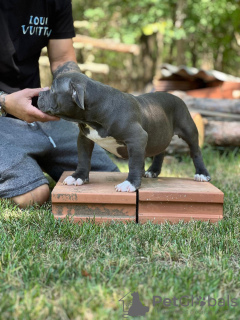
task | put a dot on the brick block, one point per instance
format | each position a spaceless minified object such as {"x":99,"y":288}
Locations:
{"x":158,"y":200}
{"x":96,"y":200}
{"x":175,"y":199}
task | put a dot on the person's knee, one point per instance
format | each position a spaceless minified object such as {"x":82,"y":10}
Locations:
{"x":36,"y":196}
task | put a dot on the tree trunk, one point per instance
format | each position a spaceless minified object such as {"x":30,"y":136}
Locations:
{"x":180,"y":44}
{"x":147,"y":61}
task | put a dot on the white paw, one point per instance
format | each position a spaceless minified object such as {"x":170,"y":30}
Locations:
{"x":70,"y":181}
{"x":148,"y":174}
{"x":201,"y":177}
{"x":125,"y":186}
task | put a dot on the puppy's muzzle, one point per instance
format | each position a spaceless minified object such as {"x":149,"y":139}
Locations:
{"x":44,"y":102}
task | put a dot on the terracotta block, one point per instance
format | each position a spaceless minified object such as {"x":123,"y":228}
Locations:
{"x":158,"y":200}
{"x":96,"y":200}
{"x":174,"y":199}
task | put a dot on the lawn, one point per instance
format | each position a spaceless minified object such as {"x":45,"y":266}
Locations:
{"x":58,"y":270}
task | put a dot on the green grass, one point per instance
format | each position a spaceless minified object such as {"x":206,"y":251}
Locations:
{"x":58,"y":270}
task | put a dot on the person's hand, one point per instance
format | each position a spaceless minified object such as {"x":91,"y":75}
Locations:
{"x":19,"y":104}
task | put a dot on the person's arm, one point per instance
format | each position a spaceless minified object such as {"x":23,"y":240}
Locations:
{"x":62,"y":59}
{"x":62,"y":56}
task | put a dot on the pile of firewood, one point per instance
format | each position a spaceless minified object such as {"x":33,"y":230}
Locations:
{"x":217,"y":120}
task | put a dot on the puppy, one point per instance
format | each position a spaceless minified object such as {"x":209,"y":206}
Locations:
{"x":130,"y":127}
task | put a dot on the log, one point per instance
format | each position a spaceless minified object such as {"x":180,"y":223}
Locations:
{"x":222,"y":133}
{"x":214,"y":105}
{"x":217,"y":133}
{"x":217,"y":115}
{"x":107,"y":44}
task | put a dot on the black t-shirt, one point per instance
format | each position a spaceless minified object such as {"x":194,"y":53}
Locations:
{"x":25,"y":28}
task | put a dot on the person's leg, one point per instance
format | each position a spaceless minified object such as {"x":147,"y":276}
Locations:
{"x":27,"y":149}
{"x":38,"y":196}
{"x":21,"y":178}
{"x":64,"y":157}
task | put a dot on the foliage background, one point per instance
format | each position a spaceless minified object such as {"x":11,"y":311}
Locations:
{"x":202,"y":34}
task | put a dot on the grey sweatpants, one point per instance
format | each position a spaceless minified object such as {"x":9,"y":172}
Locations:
{"x":27,"y":149}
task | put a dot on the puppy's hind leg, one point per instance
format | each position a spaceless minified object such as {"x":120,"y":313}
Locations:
{"x":190,"y":135}
{"x":155,"y":169}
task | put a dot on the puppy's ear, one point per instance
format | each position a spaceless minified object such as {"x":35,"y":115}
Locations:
{"x":78,"y":94}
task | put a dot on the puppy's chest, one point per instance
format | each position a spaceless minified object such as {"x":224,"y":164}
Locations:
{"x":107,"y":142}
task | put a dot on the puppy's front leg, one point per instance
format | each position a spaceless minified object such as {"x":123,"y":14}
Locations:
{"x":81,"y":175}
{"x":136,"y":146}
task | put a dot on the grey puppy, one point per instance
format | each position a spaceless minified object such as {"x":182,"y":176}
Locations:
{"x":131,"y":127}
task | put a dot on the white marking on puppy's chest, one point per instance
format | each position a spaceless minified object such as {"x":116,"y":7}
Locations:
{"x":108,"y":143}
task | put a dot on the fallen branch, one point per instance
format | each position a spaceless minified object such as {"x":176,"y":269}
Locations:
{"x":93,"y":67}
{"x":107,"y":44}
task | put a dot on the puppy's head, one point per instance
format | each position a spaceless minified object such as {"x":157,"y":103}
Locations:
{"x":64,"y":99}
